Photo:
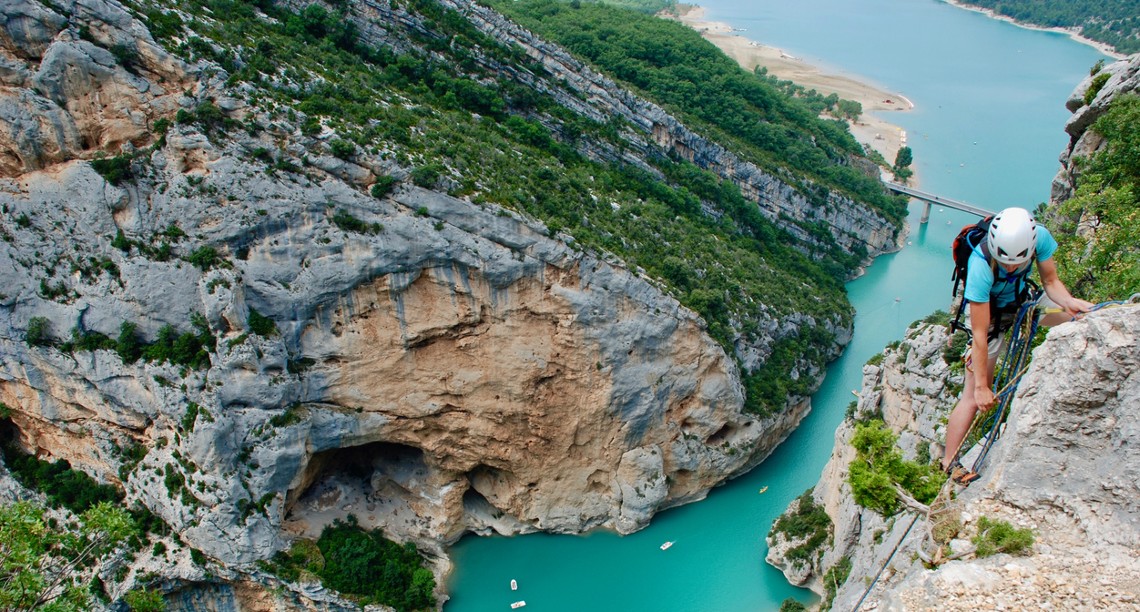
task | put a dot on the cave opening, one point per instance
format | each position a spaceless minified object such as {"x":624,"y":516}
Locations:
{"x":379,"y":483}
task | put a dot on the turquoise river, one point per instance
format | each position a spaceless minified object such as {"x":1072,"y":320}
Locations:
{"x":987,"y":129}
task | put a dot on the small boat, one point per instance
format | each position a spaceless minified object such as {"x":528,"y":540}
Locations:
{"x":514,"y":584}
{"x":763,"y":488}
{"x":666,"y":545}
{"x":518,"y":604}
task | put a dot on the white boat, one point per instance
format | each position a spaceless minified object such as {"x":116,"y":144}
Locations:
{"x":518,"y":604}
{"x":514,"y":585}
{"x":666,"y":545}
{"x":764,"y":488}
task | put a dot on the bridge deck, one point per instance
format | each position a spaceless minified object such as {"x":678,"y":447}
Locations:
{"x":930,"y":198}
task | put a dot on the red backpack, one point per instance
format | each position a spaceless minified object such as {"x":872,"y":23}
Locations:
{"x":971,"y":237}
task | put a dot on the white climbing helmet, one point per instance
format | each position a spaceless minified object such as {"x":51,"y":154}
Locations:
{"x":1012,"y":237}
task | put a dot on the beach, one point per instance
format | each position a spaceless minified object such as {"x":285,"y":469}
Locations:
{"x":869,"y":130}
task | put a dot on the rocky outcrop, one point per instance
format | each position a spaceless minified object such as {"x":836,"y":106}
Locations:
{"x":911,"y":388}
{"x":1049,"y":472}
{"x":1123,"y":78}
{"x":65,"y":97}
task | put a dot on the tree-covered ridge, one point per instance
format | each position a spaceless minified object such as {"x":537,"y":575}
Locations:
{"x":1104,"y":264}
{"x":1113,"y":22}
{"x":436,"y":109}
{"x":673,"y":65}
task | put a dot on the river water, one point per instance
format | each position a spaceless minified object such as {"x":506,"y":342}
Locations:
{"x":987,"y":129}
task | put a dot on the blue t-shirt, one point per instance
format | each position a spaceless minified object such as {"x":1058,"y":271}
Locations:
{"x":981,"y":286}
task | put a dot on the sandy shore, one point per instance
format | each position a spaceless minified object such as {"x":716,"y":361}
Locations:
{"x":869,"y":130}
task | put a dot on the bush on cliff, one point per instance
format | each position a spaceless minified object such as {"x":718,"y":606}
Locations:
{"x":996,"y":536}
{"x":361,"y":563}
{"x":879,"y":465}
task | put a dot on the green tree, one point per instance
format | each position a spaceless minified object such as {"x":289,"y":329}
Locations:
{"x":879,"y":466}
{"x":39,"y":332}
{"x":849,"y":110}
{"x":144,"y":600}
{"x":44,"y":567}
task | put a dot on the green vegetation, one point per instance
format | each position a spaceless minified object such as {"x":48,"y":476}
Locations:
{"x":363,"y":564}
{"x":1113,"y":22}
{"x":349,"y":223}
{"x":493,"y":140}
{"x":41,"y":564}
{"x":144,"y":600}
{"x":383,"y":186}
{"x":810,"y":523}
{"x":1095,"y":86}
{"x":38,"y":333}
{"x":903,"y":159}
{"x":791,"y":605}
{"x":879,"y":466}
{"x":63,"y":486}
{"x":261,"y":324}
{"x":671,"y":64}
{"x":1106,"y":265}
{"x":834,"y":578}
{"x":115,"y":170}
{"x":1001,"y":537}
{"x":204,"y":258}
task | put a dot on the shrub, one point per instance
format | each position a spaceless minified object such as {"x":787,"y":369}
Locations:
{"x":426,"y":176}
{"x":120,"y":242}
{"x":365,"y":563}
{"x":1095,"y":86}
{"x":1001,"y":537}
{"x":261,"y":324}
{"x":342,"y":149}
{"x":878,"y":466}
{"x":383,"y":186}
{"x":128,"y":345}
{"x":791,"y":605}
{"x":62,"y":485}
{"x":834,"y":578}
{"x":39,"y":332}
{"x":144,"y":600}
{"x":204,"y":258}
{"x":115,"y":170}
{"x":349,"y":223}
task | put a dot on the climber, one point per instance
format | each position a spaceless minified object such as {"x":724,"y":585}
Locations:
{"x":996,"y":275}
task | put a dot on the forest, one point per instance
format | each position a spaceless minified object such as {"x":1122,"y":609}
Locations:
{"x":1112,"y":22}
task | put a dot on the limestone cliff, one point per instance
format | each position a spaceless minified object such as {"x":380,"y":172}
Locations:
{"x":1065,"y":466}
{"x":432,"y":366}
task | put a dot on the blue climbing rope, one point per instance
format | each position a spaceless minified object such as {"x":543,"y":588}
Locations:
{"x":1009,"y":374}
{"x":1013,"y":365}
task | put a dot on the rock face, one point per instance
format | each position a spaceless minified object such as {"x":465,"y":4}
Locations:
{"x":911,"y":388}
{"x":1124,"y":78}
{"x":1064,"y":467}
{"x":437,"y":368}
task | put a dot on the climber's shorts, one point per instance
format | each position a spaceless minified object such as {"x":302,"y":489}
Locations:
{"x":1000,"y":344}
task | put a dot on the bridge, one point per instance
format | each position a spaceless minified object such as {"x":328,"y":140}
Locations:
{"x":930,"y":198}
